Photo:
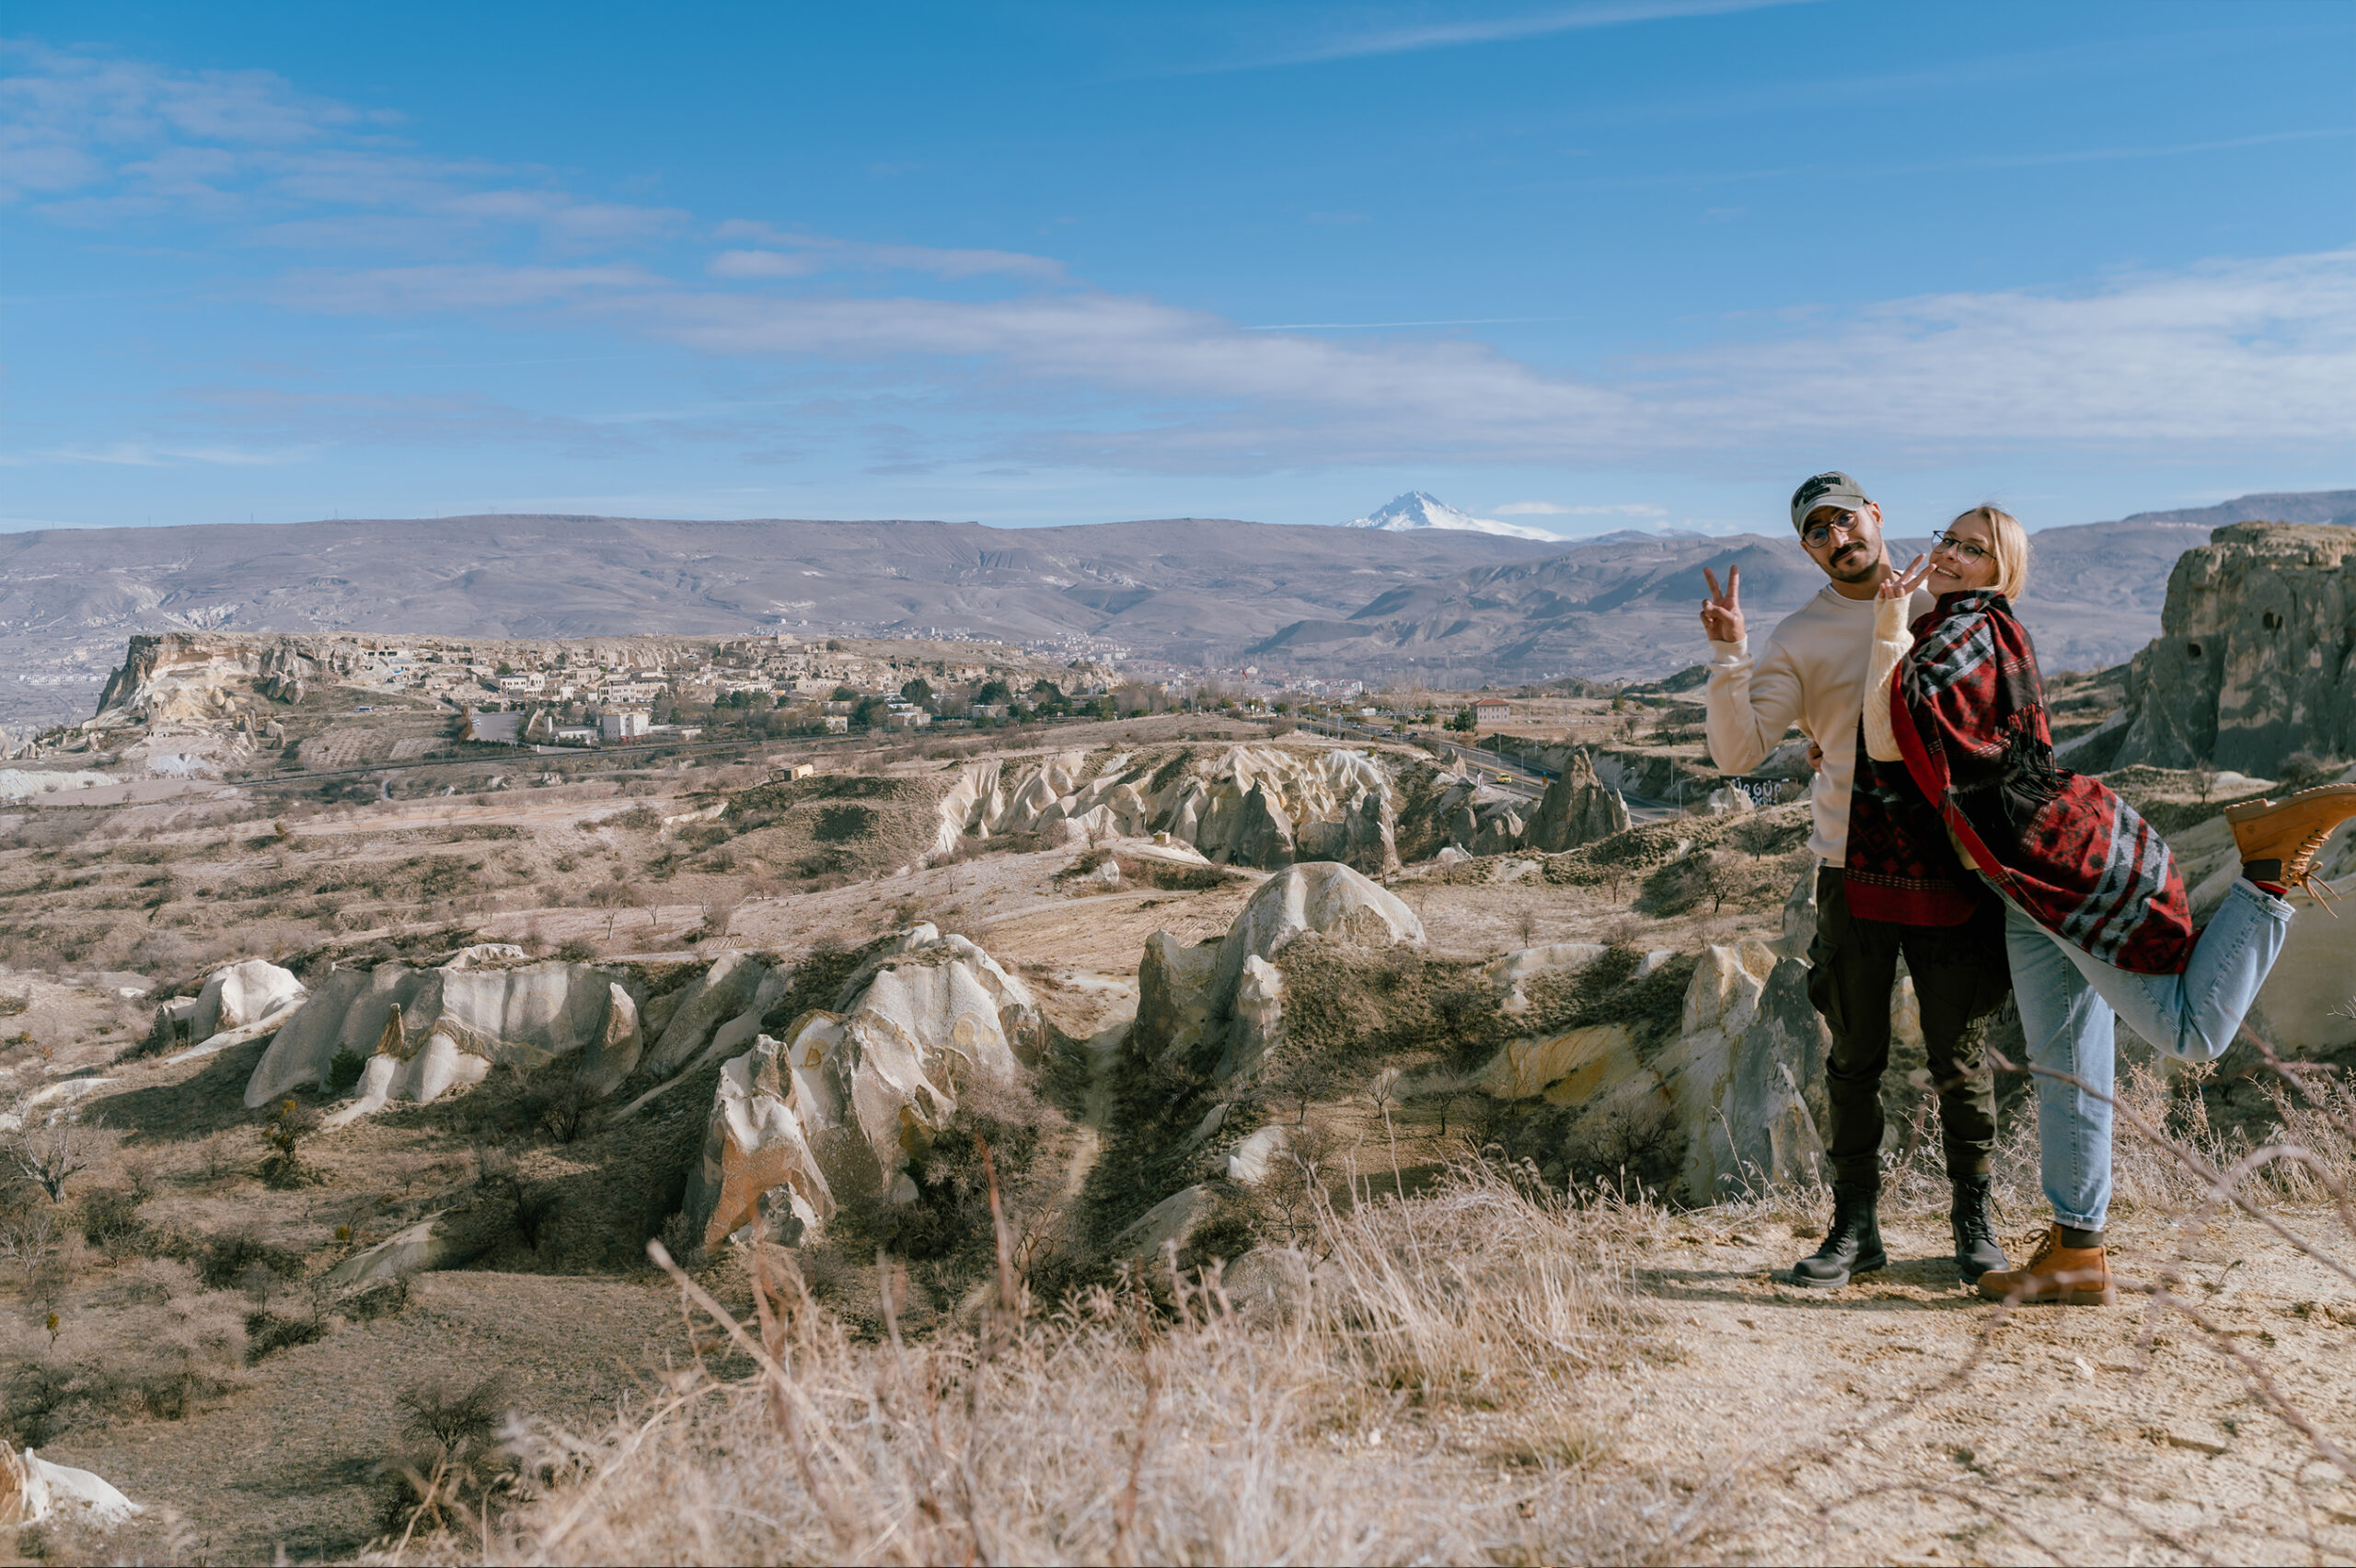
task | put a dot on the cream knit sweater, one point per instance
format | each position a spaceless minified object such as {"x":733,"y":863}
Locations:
{"x":1812,"y":674}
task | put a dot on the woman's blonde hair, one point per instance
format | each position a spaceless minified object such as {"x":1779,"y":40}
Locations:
{"x":2004,"y":531}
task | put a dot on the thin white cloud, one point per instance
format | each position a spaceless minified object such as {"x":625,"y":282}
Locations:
{"x":786,"y":254}
{"x":2256,"y":354}
{"x":159,"y":454}
{"x":2250,"y":356}
{"x":387,"y":291}
{"x":91,"y":140}
{"x":1989,"y":162}
{"x":1498,"y":29}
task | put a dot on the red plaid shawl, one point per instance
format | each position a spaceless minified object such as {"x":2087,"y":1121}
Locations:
{"x":1969,"y":712}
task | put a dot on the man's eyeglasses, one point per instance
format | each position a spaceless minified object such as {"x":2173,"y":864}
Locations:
{"x":1964,"y":547}
{"x":1816,"y":534}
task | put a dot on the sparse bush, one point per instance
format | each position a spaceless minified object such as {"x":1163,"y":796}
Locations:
{"x":448,"y":1466}
{"x":267,"y":1331}
{"x":2303,"y":769}
{"x":559,"y":1105}
{"x":39,"y":1394}
{"x":577,"y":950}
{"x":682,"y":1240}
{"x":1635,"y":1142}
{"x":536,"y":1209}
{"x":109,"y":1218}
{"x":344,"y":1070}
{"x":196,"y":1358}
{"x":230,"y":1258}
{"x":282,"y":1133}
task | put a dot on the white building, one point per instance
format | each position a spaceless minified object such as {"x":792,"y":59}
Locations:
{"x":623,"y":724}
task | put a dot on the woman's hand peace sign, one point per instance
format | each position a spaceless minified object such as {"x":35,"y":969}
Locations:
{"x":1722,"y":611}
{"x":1900,"y":584}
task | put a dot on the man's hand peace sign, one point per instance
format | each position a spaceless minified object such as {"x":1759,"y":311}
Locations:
{"x":1722,"y":611}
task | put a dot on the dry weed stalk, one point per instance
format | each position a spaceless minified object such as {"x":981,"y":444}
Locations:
{"x":1444,"y":1384}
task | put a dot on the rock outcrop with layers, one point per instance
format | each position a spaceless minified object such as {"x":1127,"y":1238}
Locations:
{"x":2256,"y":656}
{"x":837,"y":1108}
{"x":1578,"y":808}
{"x":1259,"y":805}
{"x":420,"y":1032}
{"x":1218,"y":1006}
{"x":239,"y":1002}
{"x":1735,"y":1097}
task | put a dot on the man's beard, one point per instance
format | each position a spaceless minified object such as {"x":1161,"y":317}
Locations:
{"x":1853,"y":562}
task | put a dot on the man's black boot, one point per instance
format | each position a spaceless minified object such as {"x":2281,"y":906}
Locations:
{"x":1973,"y":1216}
{"x":1852,"y":1245}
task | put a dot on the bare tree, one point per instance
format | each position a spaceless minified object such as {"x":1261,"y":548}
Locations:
{"x":48,"y":1150}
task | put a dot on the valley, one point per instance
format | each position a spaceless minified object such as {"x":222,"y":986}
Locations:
{"x":1219,"y":1131}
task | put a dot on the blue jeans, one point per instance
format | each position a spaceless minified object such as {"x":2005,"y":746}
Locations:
{"x":2069,"y":1000}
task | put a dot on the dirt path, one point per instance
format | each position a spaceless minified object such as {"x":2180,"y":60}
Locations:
{"x":1856,"y":1426}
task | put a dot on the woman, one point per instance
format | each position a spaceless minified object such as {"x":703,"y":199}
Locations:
{"x":2096,"y":923}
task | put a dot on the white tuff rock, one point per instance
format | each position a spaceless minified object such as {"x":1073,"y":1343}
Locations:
{"x":434,"y":1028}
{"x":837,"y":1107}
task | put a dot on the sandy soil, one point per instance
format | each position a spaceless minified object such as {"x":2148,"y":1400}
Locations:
{"x":1902,"y":1420}
{"x":290,"y":1464}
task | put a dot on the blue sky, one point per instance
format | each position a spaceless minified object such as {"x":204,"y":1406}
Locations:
{"x":1586,"y":265}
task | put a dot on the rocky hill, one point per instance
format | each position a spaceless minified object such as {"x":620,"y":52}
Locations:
{"x":1188,"y":590}
{"x":1623,"y":609}
{"x":1450,"y":605}
{"x":2256,"y":661}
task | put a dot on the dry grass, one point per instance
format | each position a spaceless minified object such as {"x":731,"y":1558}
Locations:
{"x":1440,"y":1379}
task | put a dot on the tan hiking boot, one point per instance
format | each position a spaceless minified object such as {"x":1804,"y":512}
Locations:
{"x":2289,"y":833}
{"x":2071,"y":1276}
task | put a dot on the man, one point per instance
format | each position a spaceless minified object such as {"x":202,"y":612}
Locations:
{"x":1813,"y":673}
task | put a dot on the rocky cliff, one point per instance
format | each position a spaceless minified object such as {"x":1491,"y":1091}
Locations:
{"x":2256,"y":656}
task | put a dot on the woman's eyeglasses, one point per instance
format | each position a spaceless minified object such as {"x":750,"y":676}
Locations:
{"x":1964,"y":547}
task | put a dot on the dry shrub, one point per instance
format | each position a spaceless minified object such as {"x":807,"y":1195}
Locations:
{"x":1444,"y":1391}
{"x":449,"y":1464}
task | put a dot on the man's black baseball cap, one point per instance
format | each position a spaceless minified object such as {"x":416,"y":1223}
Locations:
{"x":1829,"y":489}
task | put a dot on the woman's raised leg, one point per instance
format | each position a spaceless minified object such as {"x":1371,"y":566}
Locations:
{"x":2195,"y":1015}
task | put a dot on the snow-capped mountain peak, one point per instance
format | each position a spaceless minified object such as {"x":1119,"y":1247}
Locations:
{"x":1415,"y":510}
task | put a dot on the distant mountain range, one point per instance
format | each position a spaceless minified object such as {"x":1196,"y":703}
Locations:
{"x":1431,"y":603}
{"x":1416,"y":511}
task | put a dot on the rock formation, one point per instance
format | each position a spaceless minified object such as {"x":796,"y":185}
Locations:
{"x":238,"y":1003}
{"x":1578,"y":808}
{"x":413,"y":1249}
{"x":836,"y":1109}
{"x":1265,"y":836}
{"x":2257,"y":655}
{"x":420,"y":1032}
{"x":1220,"y":1006}
{"x":183,"y":676}
{"x":722,"y":1008}
{"x":1262,"y":805}
{"x":33,"y":1491}
{"x":1735,"y":1096}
